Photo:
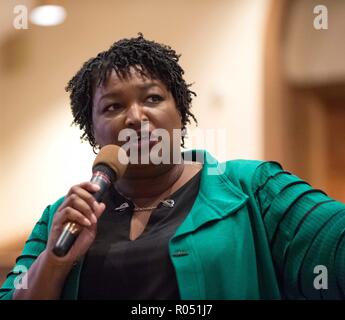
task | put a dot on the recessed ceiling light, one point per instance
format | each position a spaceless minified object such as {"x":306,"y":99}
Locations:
{"x":48,"y":15}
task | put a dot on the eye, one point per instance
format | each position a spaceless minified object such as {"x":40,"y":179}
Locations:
{"x":112,"y":107}
{"x":154,"y":98}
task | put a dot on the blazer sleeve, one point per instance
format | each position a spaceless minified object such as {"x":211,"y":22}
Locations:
{"x":306,"y":232}
{"x":33,"y":247}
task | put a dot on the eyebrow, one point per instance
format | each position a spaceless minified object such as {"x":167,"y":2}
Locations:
{"x":141,"y":87}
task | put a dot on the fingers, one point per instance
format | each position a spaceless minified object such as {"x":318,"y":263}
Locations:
{"x":84,"y":191}
{"x":88,"y":186}
{"x":73,"y":215}
{"x":79,"y":207}
{"x":79,"y":202}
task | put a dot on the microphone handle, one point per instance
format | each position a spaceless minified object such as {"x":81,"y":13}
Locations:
{"x":72,"y":229}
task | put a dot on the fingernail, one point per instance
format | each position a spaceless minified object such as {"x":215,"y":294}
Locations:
{"x":93,"y":218}
{"x":96,"y":187}
{"x":87,"y":222}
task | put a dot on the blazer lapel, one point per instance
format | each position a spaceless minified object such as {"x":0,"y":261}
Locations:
{"x":217,"y":197}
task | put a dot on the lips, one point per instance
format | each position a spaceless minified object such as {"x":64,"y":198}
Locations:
{"x":141,"y":139}
{"x":142,"y":135}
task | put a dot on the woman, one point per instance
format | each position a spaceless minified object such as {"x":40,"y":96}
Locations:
{"x":177,"y":230}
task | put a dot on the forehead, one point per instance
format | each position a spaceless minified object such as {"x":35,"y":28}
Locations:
{"x":134,"y":78}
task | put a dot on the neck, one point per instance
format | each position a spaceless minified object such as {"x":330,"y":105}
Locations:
{"x":145,"y":184}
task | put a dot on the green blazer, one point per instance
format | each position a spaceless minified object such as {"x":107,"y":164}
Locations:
{"x":255,"y":231}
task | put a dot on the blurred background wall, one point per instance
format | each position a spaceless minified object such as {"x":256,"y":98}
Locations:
{"x":304,"y":92}
{"x":261,"y":71}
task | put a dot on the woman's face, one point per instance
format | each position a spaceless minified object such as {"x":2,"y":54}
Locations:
{"x":127,"y":103}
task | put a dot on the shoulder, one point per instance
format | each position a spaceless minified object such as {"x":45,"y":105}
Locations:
{"x":251,"y":173}
{"x":256,"y":169}
{"x":243,"y":173}
{"x":242,"y":166}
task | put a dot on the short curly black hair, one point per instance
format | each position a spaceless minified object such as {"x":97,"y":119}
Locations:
{"x":150,"y":58}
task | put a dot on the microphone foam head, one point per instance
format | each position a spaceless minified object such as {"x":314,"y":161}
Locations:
{"x":114,"y":157}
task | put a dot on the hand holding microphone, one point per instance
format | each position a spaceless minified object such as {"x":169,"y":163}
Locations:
{"x":74,"y":226}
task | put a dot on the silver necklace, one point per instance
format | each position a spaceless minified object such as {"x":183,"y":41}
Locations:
{"x":169,"y":203}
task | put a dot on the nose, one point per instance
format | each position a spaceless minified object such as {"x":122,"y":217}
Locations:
{"x":135,"y":115}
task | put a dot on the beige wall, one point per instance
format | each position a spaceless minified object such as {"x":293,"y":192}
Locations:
{"x":315,"y":57}
{"x":41,"y":156}
{"x":305,"y":93}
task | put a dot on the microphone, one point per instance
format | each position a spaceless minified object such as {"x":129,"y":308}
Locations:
{"x":109,"y":165}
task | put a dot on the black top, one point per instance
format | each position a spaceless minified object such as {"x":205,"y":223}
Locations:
{"x":116,"y":267}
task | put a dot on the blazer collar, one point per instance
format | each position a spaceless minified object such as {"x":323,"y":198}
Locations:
{"x":217,"y":197}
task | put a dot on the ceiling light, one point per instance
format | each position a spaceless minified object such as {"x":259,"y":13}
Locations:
{"x":48,"y":15}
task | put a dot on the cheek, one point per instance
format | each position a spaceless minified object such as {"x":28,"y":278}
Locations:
{"x":176,"y":120}
{"x":105,"y":132}
{"x":174,"y":125}
{"x":172,"y":117}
